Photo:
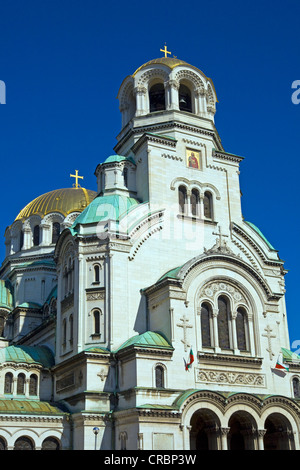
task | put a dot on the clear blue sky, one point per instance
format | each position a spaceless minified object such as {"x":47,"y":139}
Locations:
{"x":63,"y":62}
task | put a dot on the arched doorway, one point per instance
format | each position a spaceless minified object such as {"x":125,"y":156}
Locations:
{"x":243,"y":431}
{"x":204,"y":434}
{"x":24,"y":443}
{"x":279,"y":434}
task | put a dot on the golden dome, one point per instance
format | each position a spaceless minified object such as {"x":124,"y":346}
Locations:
{"x":63,"y":201}
{"x":170,"y":62}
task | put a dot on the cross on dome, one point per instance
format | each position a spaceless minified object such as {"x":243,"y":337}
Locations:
{"x":165,"y":50}
{"x":76,"y":179}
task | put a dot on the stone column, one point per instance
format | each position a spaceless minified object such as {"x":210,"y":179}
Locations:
{"x":260,"y":435}
{"x":215,"y":329}
{"x":140,"y":94}
{"x":234,"y":333}
{"x":172,"y":87}
{"x":224,"y":434}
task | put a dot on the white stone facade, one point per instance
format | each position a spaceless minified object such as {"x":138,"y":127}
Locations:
{"x":160,"y":263}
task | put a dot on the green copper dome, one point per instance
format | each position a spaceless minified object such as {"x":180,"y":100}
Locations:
{"x":110,"y":207}
{"x":28,"y":355}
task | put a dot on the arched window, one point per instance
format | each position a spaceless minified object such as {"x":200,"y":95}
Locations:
{"x":96,"y":316}
{"x":182,"y":199}
{"x":296,"y":387}
{"x":223,"y":322}
{"x":185,"y":99}
{"x":3,"y":445}
{"x":205,"y":325}
{"x":195,"y":202}
{"x":241,"y":322}
{"x":36,"y":235}
{"x":207,"y":202}
{"x":159,"y":377}
{"x":21,"y":384}
{"x":96,"y":274}
{"x":50,"y":443}
{"x":8,"y":383}
{"x":157,"y":97}
{"x":24,"y":443}
{"x":55,"y":231}
{"x":33,"y":385}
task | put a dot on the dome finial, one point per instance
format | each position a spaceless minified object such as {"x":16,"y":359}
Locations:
{"x":76,"y":185}
{"x":165,"y":50}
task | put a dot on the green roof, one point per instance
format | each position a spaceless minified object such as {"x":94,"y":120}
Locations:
{"x":27,"y":354}
{"x":290,"y":356}
{"x":110,"y":207}
{"x":171,"y":274}
{"x":148,"y":339}
{"x":6,"y":296}
{"x":52,"y":295}
{"x":29,"y":407}
{"x":261,"y":235}
{"x":29,"y":305}
{"x":119,"y":158}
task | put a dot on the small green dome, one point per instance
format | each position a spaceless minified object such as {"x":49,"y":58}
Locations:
{"x":28,"y":355}
{"x":110,"y":207}
{"x":119,"y":158}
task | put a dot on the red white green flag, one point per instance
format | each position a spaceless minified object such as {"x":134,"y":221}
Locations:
{"x":280,"y":364}
{"x":188,"y":364}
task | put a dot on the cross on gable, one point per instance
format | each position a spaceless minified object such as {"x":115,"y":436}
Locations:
{"x":76,"y":178}
{"x":185,"y":325}
{"x":268,"y":335}
{"x":220,"y":236}
{"x":165,"y":51}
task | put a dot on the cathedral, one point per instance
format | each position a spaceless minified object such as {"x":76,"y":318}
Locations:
{"x":148,"y":314}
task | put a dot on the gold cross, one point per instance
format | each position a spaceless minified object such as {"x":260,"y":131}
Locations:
{"x":76,"y":178}
{"x":165,"y":51}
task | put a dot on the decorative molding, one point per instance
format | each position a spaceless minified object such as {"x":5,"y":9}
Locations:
{"x":230,"y":377}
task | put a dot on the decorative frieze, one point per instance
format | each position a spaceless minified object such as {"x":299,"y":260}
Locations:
{"x":230,"y":378}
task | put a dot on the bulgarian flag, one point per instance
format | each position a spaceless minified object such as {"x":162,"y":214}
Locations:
{"x":188,"y":364}
{"x":280,"y":365}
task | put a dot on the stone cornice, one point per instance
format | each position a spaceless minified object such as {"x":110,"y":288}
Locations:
{"x":227,"y":156}
{"x":227,"y":359}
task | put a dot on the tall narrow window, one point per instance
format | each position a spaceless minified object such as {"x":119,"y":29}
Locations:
{"x":223,"y":323}
{"x":36,"y":235}
{"x":21,"y":384}
{"x":55,"y":231}
{"x":125,"y":176}
{"x":33,"y":385}
{"x":96,"y":274}
{"x":64,"y":332}
{"x":159,"y":377}
{"x":205,"y":326}
{"x":96,"y":315}
{"x":207,"y":202}
{"x":21,"y":240}
{"x":8,"y":383}
{"x":185,"y":99}
{"x":241,"y":320}
{"x":182,"y":199}
{"x":157,"y":97}
{"x":71,"y":323}
{"x":195,"y":202}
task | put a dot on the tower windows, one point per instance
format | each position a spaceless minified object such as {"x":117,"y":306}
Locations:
{"x":125,"y":176}
{"x":241,"y":329}
{"x":182,"y":199}
{"x":296,"y":387}
{"x":96,"y":321}
{"x":55,"y":231}
{"x":8,"y":383}
{"x":185,"y":99}
{"x":207,"y":203}
{"x":36,"y":235}
{"x":21,"y":240}
{"x":33,"y":385}
{"x":21,"y":384}
{"x":223,"y":322}
{"x":205,"y":325}
{"x":195,"y":202}
{"x":157,"y":97}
